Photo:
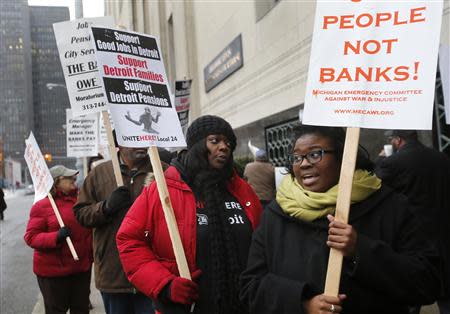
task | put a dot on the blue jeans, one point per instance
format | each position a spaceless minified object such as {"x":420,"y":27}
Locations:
{"x":127,"y":303}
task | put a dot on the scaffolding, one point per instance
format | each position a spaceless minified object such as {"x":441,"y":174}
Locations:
{"x":442,"y":130}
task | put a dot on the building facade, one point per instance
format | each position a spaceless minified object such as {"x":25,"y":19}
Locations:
{"x":29,"y":61}
{"x":16,"y":118}
{"x":49,"y":101}
{"x":248,"y":61}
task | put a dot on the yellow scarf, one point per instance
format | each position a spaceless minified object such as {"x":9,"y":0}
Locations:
{"x":306,"y":205}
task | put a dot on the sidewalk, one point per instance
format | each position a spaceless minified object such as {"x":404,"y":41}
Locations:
{"x":96,"y":300}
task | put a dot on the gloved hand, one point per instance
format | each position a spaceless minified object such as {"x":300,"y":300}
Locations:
{"x":183,"y":290}
{"x":63,"y":233}
{"x":119,"y":199}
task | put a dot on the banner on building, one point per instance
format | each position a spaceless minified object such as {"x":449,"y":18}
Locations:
{"x":82,"y":136}
{"x":444,"y":67}
{"x":135,"y":84}
{"x":79,"y":64}
{"x":366,"y":67}
{"x":183,"y":102}
{"x":42,"y":179}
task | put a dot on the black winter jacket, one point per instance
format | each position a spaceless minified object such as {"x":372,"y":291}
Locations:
{"x":394,"y":265}
{"x":423,"y":175}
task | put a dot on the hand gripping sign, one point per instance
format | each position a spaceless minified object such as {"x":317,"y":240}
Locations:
{"x":81,"y":72}
{"x":43,"y":181}
{"x":136,"y":86}
{"x":366,"y":71}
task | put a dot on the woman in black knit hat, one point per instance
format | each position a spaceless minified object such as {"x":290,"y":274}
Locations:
{"x":216,"y":213}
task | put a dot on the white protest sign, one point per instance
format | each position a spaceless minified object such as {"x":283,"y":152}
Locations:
{"x":373,"y":64}
{"x":42,"y":179}
{"x":77,"y":56}
{"x":444,"y":66}
{"x":183,"y":102}
{"x":82,"y":135}
{"x":136,"y":87}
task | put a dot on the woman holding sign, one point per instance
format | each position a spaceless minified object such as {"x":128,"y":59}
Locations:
{"x":64,"y":282}
{"x":216,"y":213}
{"x":388,"y":263}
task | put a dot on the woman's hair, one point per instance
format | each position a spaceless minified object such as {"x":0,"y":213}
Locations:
{"x":54,"y":190}
{"x":336,"y":135}
{"x":210,"y":185}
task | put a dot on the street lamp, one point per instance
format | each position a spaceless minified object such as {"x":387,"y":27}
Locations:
{"x":50,"y":86}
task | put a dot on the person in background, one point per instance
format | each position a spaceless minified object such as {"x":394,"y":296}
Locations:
{"x":260,"y":174}
{"x":92,"y":162}
{"x":3,"y":205}
{"x":423,"y":175}
{"x":101,"y":205}
{"x":64,"y":282}
{"x":216,"y":212}
{"x":165,"y":155}
{"x":388,"y":261}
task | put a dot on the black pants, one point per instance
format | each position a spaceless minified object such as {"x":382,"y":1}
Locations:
{"x":66,"y":293}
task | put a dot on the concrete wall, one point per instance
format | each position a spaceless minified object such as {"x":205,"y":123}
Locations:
{"x":270,"y":86}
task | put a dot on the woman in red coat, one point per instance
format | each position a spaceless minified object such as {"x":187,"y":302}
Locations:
{"x":64,"y":282}
{"x":216,"y":213}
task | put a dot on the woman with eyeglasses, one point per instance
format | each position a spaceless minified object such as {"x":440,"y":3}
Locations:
{"x":64,"y":282}
{"x":388,"y":262}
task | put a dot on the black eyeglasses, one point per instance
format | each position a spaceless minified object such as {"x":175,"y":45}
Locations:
{"x":313,"y":157}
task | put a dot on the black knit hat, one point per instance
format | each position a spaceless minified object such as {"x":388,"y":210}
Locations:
{"x":207,"y":125}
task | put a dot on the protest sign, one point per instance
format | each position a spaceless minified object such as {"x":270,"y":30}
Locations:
{"x":366,"y":71}
{"x":81,"y":135}
{"x":365,"y":68}
{"x":77,"y":56}
{"x":84,"y":85}
{"x":142,"y":108}
{"x":42,"y":179}
{"x":183,"y":102}
{"x":444,"y":67}
{"x":135,"y":84}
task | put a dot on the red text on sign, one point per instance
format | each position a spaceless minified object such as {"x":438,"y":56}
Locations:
{"x":365,"y":20}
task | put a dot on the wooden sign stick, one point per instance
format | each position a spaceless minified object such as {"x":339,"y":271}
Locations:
{"x":61,"y":224}
{"x":85,"y":167}
{"x":112,"y":148}
{"x":342,"y":208}
{"x":178,"y":249}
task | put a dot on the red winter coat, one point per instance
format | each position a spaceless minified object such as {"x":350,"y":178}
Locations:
{"x":143,"y":238}
{"x":51,"y":259}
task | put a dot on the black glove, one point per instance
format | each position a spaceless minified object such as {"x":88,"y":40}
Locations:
{"x":63,"y":233}
{"x":119,"y":199}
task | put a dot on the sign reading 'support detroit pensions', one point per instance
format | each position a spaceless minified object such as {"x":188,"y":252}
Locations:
{"x":135,"y":84}
{"x":373,"y":64}
{"x":228,"y":61}
{"x":76,"y":53}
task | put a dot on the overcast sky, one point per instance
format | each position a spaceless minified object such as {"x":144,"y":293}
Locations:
{"x":91,"y":8}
